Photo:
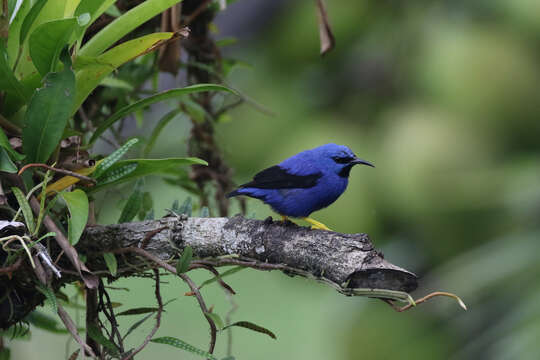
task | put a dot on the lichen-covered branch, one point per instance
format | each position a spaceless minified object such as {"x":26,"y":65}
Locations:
{"x":345,"y":261}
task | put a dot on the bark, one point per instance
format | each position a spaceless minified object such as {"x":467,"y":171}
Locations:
{"x":345,"y":261}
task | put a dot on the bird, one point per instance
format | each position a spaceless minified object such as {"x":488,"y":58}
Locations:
{"x":304,"y":183}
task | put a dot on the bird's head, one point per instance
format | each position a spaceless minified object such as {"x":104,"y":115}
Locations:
{"x":339,"y":158}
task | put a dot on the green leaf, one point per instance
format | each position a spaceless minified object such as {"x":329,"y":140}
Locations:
{"x":117,"y":173}
{"x":110,"y":261}
{"x":145,"y":167}
{"x":25,"y":208}
{"x":92,"y":7}
{"x":47,"y":41}
{"x":138,"y":311}
{"x":124,"y":24}
{"x":252,"y":326}
{"x":186,"y":207}
{"x":157,"y":129}
{"x":168,"y":340}
{"x":47,"y":115}
{"x":8,"y":81}
{"x":113,"y":158}
{"x":133,"y":205}
{"x":30,"y":18}
{"x":90,"y":71}
{"x":224,"y":274}
{"x":77,"y":203}
{"x":45,"y":322}
{"x":6,"y":164}
{"x":4,"y":142}
{"x":205,"y":212}
{"x":113,"y":82}
{"x":216,"y":319}
{"x":15,"y":29}
{"x":153,"y":99}
{"x":95,"y":333}
{"x":183,"y":263}
{"x":136,"y":325}
{"x":49,"y":294}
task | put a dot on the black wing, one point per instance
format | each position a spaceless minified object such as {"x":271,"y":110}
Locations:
{"x":276,"y":177}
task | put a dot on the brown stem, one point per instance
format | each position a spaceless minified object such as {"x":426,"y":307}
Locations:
{"x":92,"y":317}
{"x":60,"y":171}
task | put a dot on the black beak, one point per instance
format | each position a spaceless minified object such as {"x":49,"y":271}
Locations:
{"x":357,"y":161}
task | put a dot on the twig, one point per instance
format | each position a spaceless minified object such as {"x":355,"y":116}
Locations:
{"x":158,"y":319}
{"x":60,"y":171}
{"x":109,"y":313}
{"x":204,"y":308}
{"x":11,"y":268}
{"x":72,"y":328}
{"x":197,"y":12}
{"x":9,"y":126}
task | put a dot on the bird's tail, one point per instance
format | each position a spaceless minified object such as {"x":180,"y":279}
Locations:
{"x":233,"y":193}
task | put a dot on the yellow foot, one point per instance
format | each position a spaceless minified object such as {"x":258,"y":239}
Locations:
{"x":316,"y":225}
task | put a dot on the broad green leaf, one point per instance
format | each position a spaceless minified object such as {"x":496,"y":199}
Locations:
{"x":95,"y":333}
{"x":25,"y":208}
{"x":153,"y":99}
{"x":145,"y":167}
{"x":77,"y":203}
{"x":124,"y":24}
{"x":168,"y":340}
{"x":252,"y":326}
{"x":222,"y":275}
{"x":4,"y":142}
{"x":183,"y":263}
{"x":117,"y":173}
{"x":93,"y":70}
{"x":93,"y":7}
{"x":216,"y":319}
{"x":47,"y":115}
{"x":8,"y":81}
{"x":113,"y":158}
{"x":30,"y":18}
{"x":6,"y":164}
{"x":157,"y":129}
{"x":138,"y":311}
{"x":133,"y":205}
{"x":47,"y":41}
{"x":49,"y":294}
{"x":110,"y":261}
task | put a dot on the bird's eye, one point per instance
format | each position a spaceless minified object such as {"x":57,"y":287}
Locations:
{"x":343,"y":160}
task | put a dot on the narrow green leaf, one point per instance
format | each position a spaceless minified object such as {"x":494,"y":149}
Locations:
{"x":128,"y":109}
{"x":6,"y":164}
{"x":144,"y":167}
{"x":77,"y":203}
{"x":216,"y":319}
{"x":47,"y":115}
{"x":25,"y":208}
{"x":205,"y":212}
{"x":186,"y":207}
{"x":95,"y":333}
{"x":183,"y":263}
{"x":117,"y":173}
{"x":158,"y":128}
{"x":30,"y":18}
{"x":47,"y":41}
{"x":49,"y":294}
{"x":48,"y":177}
{"x":133,"y":205}
{"x":138,"y":311}
{"x":124,"y":24}
{"x":45,"y":322}
{"x":168,"y":340}
{"x":136,"y":325}
{"x":113,"y":158}
{"x":252,"y":326}
{"x":113,"y":82}
{"x":90,"y":71}
{"x":110,"y":261}
{"x":224,"y":274}
{"x":4,"y":142}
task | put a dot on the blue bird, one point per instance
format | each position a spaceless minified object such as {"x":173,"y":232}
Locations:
{"x":304,"y":183}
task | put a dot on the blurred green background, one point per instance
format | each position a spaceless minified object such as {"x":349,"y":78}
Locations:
{"x":444,"y":98}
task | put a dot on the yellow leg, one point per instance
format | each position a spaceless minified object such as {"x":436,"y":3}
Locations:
{"x":316,"y":224}
{"x":284,"y":218}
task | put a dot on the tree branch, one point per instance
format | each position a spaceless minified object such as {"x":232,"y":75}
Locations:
{"x":344,"y":261}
